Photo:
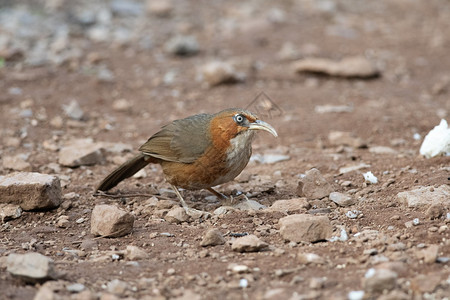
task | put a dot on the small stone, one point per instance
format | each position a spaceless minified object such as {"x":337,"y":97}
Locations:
{"x":339,"y":138}
{"x":350,"y":67}
{"x":122,"y":105}
{"x":177,"y":215}
{"x":31,"y":267}
{"x":81,"y":152}
{"x":425,"y":283}
{"x":435,"y":211}
{"x":57,"y":122}
{"x":63,"y":221}
{"x":135,"y":253}
{"x":429,"y":254}
{"x":75,"y":287}
{"x":309,"y":258}
{"x":248,"y":243}
{"x":212,"y":237}
{"x":17,"y":163}
{"x":351,"y":168}
{"x":73,"y":110}
{"x":117,"y":287}
{"x":269,"y":158}
{"x":160,"y":8}
{"x":9,"y":212}
{"x":369,"y":178}
{"x":382,"y":150}
{"x":341,"y":199}
{"x":247,"y":205}
{"x":219,"y":72}
{"x":317,"y":283}
{"x":182,"y":45}
{"x":290,"y":205}
{"x":313,"y":185}
{"x":323,"y":109}
{"x":378,"y":280}
{"x":30,"y":190}
{"x":304,"y":227}
{"x":425,"y":196}
{"x":110,"y":221}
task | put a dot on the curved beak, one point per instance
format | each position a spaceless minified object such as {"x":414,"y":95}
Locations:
{"x":261,"y":125}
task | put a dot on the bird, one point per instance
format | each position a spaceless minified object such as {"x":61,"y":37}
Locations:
{"x":197,"y":152}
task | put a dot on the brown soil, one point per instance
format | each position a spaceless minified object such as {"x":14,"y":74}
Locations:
{"x":408,"y":40}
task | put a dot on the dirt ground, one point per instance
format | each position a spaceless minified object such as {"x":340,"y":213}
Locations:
{"x":408,"y":41}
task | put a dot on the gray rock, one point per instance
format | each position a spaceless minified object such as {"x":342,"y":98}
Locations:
{"x":177,"y":215}
{"x":135,"y":253}
{"x":350,"y":67}
{"x":212,"y":237}
{"x":339,"y":138}
{"x":17,"y":163}
{"x":80,"y":152}
{"x":341,"y":199}
{"x":117,"y":287}
{"x":290,"y":205}
{"x":110,"y":221}
{"x":248,"y":243}
{"x":182,"y":45}
{"x":127,"y":8}
{"x":73,"y":110}
{"x":30,"y":190}
{"x":304,"y":227}
{"x":249,"y":205}
{"x":160,"y":8}
{"x":220,"y":72}
{"x":10,"y":211}
{"x":75,"y":287}
{"x":31,"y":267}
{"x":313,"y":185}
{"x":378,"y":280}
{"x":425,"y":196}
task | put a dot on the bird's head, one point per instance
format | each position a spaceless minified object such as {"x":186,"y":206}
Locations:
{"x":231,"y":123}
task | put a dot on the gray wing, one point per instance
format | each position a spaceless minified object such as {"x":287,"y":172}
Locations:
{"x":180,"y":141}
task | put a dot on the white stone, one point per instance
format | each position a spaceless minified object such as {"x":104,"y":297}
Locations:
{"x":370,"y":178}
{"x":31,"y":267}
{"x":437,"y":141}
{"x":248,"y":243}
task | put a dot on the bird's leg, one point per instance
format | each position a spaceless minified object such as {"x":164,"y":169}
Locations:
{"x":194,"y":213}
{"x":217,"y":194}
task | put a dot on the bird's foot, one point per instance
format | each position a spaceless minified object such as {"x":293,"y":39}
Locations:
{"x":232,"y":201}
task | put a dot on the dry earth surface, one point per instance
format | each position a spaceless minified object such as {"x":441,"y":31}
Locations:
{"x":114,"y":61}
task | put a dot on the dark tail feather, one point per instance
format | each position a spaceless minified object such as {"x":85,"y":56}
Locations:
{"x":126,"y":170}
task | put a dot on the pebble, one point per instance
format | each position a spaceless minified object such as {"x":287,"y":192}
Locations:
{"x":117,"y":287}
{"x":31,"y":267}
{"x":248,"y":205}
{"x":176,"y":215}
{"x":428,"y":254}
{"x":135,"y":253}
{"x":370,"y":178}
{"x":425,"y":196}
{"x":81,"y":152}
{"x":269,"y":158}
{"x":349,"y":67}
{"x":160,"y":8}
{"x":378,"y":280}
{"x":435,"y":211}
{"x":323,"y":109}
{"x":17,"y":163}
{"x":306,"y":228}
{"x":313,"y":185}
{"x":9,"y":212}
{"x":382,"y":150}
{"x":290,"y":205}
{"x":220,"y":72}
{"x":248,"y":243}
{"x":73,"y":110}
{"x":182,"y":45}
{"x":309,"y":258}
{"x":342,"y":138}
{"x":341,"y":199}
{"x":30,"y":190}
{"x":212,"y":237}
{"x":75,"y":287}
{"x":110,"y":221}
{"x":122,"y":105}
{"x":352,"y":168}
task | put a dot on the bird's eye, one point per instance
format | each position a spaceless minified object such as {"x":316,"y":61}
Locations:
{"x":239,"y":119}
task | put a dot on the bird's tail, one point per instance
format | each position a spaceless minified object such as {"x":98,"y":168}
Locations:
{"x":126,"y":170}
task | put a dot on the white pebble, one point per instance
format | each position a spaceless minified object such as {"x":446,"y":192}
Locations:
{"x":356,"y":295}
{"x":243,"y":283}
{"x":416,"y":221}
{"x":370,"y":178}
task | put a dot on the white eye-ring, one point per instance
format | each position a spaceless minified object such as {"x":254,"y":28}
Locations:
{"x":239,"y":118}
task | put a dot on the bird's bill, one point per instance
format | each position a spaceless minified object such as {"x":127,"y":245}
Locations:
{"x":261,"y":125}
